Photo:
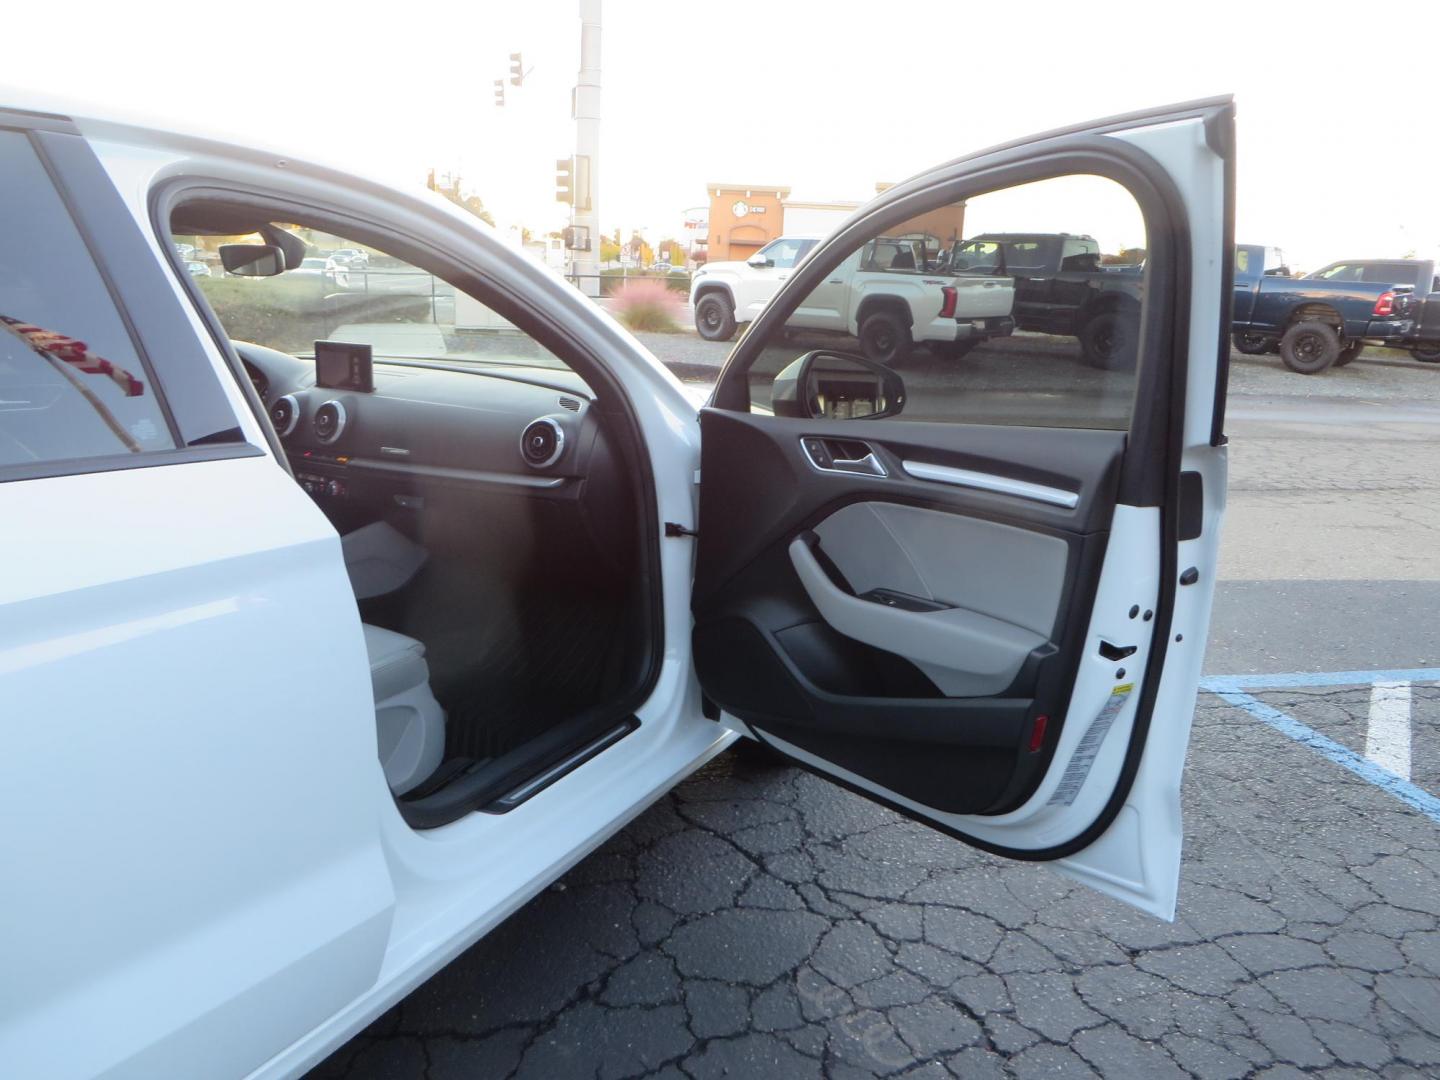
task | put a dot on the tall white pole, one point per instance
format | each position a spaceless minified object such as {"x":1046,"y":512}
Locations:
{"x":587,"y":147}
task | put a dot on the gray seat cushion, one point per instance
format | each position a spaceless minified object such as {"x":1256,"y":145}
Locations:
{"x":397,"y":662}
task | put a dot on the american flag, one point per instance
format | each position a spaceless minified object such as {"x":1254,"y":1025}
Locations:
{"x":73,"y":352}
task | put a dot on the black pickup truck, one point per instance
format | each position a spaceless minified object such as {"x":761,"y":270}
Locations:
{"x":1062,"y":288}
{"x":1324,"y":319}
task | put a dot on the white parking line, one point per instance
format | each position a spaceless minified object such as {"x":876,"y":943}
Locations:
{"x":1387,"y":740}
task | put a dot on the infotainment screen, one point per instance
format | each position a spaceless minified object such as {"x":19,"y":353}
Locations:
{"x":339,"y":365}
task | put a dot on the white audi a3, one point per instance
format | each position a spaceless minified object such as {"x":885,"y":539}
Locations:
{"x":344,"y":612}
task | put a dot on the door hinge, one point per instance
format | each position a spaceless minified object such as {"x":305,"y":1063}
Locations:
{"x":674,"y":530}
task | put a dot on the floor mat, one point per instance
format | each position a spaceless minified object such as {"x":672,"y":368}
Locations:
{"x":507,"y":664}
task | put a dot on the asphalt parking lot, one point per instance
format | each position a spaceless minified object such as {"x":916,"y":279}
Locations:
{"x":758,"y":922}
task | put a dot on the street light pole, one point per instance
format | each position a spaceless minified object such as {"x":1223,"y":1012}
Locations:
{"x":587,"y":148}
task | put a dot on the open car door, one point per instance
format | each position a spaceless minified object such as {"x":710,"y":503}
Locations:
{"x":961,"y":560}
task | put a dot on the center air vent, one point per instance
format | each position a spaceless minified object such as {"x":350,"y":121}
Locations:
{"x":542,"y":442}
{"x":285,"y":414}
{"x":329,"y":421}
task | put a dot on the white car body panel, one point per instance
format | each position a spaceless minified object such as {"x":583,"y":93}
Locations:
{"x":222,"y":884}
{"x":313,"y":907}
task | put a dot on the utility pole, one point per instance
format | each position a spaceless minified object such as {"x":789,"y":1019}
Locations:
{"x":585,"y":214}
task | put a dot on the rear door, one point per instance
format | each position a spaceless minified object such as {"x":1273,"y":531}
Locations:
{"x":980,"y":594}
{"x":190,"y":787}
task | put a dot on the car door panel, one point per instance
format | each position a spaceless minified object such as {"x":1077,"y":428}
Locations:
{"x":975,"y":624}
{"x":976,"y":667}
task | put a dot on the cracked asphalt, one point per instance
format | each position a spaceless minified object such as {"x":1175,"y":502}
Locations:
{"x":758,"y":922}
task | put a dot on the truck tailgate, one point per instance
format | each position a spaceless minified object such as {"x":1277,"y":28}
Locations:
{"x":983,"y":297}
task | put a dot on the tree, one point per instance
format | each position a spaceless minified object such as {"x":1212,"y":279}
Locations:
{"x":1126,"y":257}
{"x":672,"y":251}
{"x":609,"y":250}
{"x":449,"y":186}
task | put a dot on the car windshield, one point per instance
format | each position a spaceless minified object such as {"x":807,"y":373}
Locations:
{"x":363,"y":296}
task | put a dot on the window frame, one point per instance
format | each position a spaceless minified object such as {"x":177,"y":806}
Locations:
{"x":1162,"y":355}
{"x":507,"y":299}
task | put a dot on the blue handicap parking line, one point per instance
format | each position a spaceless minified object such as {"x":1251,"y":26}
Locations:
{"x":1232,"y":689}
{"x":1295,"y":680}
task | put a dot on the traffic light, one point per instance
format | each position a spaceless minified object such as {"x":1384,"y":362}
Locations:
{"x":565,"y":181}
{"x":499,"y":91}
{"x":517,"y":70}
{"x":576,"y":238}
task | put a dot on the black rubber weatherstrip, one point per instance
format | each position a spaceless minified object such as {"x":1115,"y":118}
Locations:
{"x":486,"y":781}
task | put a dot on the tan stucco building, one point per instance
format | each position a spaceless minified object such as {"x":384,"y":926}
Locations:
{"x":745,"y":217}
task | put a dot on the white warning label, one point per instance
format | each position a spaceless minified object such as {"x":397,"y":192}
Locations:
{"x":1085,"y":754}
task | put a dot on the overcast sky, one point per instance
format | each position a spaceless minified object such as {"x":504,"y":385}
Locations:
{"x":1336,"y":159}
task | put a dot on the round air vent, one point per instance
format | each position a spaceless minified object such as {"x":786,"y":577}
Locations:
{"x":329,"y":421}
{"x":285,"y":414}
{"x":542,"y":442}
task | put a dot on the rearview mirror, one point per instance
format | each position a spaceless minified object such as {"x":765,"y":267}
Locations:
{"x":252,"y":260}
{"x":824,"y":385}
{"x":757,"y":260}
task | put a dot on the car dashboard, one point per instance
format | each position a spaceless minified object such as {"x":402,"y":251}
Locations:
{"x":437,"y":434}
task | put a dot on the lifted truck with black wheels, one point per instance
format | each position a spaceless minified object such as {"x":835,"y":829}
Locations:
{"x":887,"y":295}
{"x":1316,"y":322}
{"x":1061,"y":287}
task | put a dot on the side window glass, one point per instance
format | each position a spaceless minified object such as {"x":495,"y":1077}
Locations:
{"x":72,"y":386}
{"x":1018,"y":306}
{"x":784,"y":253}
{"x":343,"y":290}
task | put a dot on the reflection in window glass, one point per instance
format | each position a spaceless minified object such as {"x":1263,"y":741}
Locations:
{"x":71,"y":384}
{"x":1020,"y":306}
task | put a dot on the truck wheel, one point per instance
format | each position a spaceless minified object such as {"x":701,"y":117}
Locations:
{"x":714,"y":318}
{"x":1308,"y":348}
{"x":1108,"y":342}
{"x":1426,"y":355}
{"x":1349,"y":353}
{"x":1251,"y":344}
{"x":884,"y":338}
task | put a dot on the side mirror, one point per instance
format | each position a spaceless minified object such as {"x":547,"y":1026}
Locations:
{"x":758,"y":261}
{"x":252,"y":260}
{"x":824,"y":385}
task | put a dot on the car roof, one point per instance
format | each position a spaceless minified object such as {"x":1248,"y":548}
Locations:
{"x":133,"y":127}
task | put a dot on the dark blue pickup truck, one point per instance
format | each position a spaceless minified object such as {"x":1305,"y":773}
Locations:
{"x":1313,"y":322}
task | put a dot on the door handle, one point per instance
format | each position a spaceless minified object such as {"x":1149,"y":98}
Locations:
{"x":836,"y":281}
{"x":843,"y":456}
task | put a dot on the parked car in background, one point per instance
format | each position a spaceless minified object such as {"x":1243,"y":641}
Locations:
{"x":196,"y":269}
{"x":350,"y":257}
{"x":886,"y":296}
{"x":1417,"y":274}
{"x":726,"y":295}
{"x":1061,"y":287}
{"x":1314,"y":322}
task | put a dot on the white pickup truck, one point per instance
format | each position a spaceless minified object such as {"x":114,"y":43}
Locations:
{"x":884,"y":295}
